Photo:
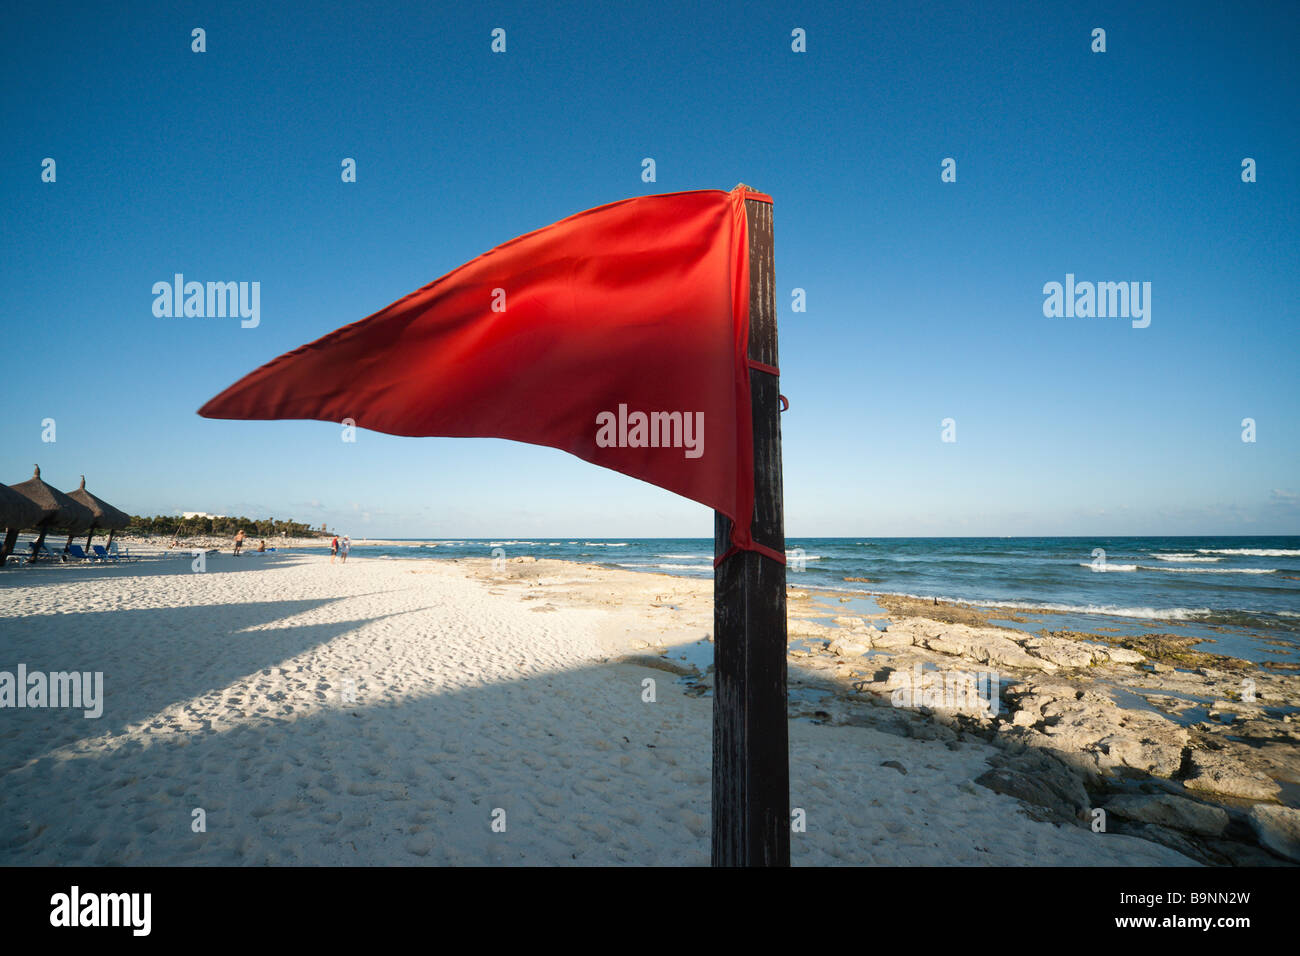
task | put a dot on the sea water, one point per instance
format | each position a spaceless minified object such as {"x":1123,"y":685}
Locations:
{"x":1241,"y":592}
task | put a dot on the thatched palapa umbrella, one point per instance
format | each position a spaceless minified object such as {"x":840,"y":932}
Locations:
{"x":60,"y":510}
{"x":107,"y":518}
{"x":17,"y":511}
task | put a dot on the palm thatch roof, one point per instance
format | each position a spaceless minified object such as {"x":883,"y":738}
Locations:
{"x":17,"y":510}
{"x":106,"y":516}
{"x":60,"y":510}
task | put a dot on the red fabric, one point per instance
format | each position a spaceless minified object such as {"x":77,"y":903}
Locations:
{"x":642,"y":303}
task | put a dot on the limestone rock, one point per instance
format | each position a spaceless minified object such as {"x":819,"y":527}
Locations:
{"x":1169,"y":810}
{"x":1040,"y":780}
{"x":1278,"y":829}
{"x":892,"y":638}
{"x":1144,"y":741}
{"x":1060,"y":651}
{"x":984,"y":645}
{"x":1089,"y":731}
{"x":841,"y":647}
{"x":1215,"y":772}
{"x":1173,"y":839}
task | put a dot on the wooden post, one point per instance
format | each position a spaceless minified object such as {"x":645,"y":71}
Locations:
{"x":751,"y":751}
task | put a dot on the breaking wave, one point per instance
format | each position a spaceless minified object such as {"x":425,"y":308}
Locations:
{"x":1254,"y":552}
{"x":1214,"y":570}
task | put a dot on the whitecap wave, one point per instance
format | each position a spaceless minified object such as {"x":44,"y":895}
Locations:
{"x":1150,"y":613}
{"x":1254,"y":552}
{"x":1149,"y":567}
{"x":1214,"y":570}
{"x":1184,"y":557}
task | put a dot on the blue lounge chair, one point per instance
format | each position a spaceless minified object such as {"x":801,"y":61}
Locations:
{"x":101,"y":554}
{"x":74,"y":550}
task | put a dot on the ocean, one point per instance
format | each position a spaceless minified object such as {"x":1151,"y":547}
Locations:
{"x":1241,"y":592}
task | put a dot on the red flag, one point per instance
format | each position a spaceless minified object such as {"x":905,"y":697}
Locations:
{"x":619,"y":335}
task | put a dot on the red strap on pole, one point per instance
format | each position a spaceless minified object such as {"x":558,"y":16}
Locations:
{"x":755,"y":546}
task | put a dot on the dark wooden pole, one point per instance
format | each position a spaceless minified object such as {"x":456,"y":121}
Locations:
{"x":40,"y":541}
{"x":751,"y":750}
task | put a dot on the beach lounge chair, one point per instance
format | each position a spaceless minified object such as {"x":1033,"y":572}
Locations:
{"x":21,"y":554}
{"x":74,"y":551}
{"x":101,"y":554}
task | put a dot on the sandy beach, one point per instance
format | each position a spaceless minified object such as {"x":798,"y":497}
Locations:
{"x":389,"y":712}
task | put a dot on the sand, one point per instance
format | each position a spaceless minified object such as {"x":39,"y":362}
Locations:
{"x":482,"y":693}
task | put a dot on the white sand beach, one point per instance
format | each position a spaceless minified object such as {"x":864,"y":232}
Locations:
{"x":475,"y":689}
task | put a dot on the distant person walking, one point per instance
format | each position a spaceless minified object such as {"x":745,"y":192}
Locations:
{"x":344,"y":548}
{"x":334,"y":549}
{"x":239,"y":541}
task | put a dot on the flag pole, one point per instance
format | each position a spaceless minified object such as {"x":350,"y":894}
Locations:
{"x":751,"y":751}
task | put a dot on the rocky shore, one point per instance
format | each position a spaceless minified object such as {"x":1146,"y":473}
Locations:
{"x":1140,"y":734}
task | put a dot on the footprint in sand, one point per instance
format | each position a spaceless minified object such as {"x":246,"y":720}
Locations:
{"x":420,"y":846}
{"x":602,"y":833}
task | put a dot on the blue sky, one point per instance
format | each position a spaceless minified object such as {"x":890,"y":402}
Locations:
{"x":924,"y":298}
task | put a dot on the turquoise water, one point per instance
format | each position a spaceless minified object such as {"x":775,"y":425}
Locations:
{"x":1207,"y":586}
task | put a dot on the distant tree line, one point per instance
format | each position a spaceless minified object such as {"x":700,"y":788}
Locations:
{"x":195,"y":526}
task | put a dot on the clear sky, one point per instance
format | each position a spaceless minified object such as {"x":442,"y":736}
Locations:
{"x":924,"y":298}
